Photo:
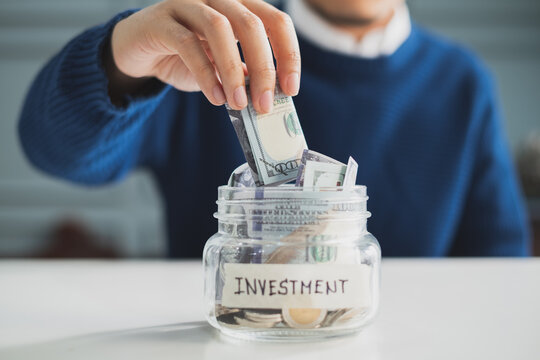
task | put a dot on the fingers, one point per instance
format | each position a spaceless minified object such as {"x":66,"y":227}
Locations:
{"x":280,"y":30}
{"x":250,"y":31}
{"x":217,"y":31}
{"x":188,"y":47}
{"x":252,"y":21}
{"x":204,"y":44}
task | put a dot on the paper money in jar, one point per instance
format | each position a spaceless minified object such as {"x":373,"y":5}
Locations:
{"x":310,"y":155}
{"x":241,"y":177}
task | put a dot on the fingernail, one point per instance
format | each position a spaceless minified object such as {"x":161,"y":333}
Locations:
{"x":266,"y":101}
{"x":240,"y":97}
{"x":219,"y":95}
{"x":293,"y":83}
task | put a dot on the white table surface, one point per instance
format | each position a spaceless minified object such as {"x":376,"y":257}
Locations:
{"x":430,"y":309}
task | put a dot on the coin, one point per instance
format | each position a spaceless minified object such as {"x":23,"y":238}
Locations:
{"x":332,"y":316}
{"x":228,"y":319}
{"x":263,"y":318}
{"x":340,"y":316}
{"x":254,"y":324}
{"x":222,"y":310}
{"x":352,"y":313}
{"x":226,"y":315}
{"x":258,"y":318}
{"x":303,"y":318}
{"x":263,"y":315}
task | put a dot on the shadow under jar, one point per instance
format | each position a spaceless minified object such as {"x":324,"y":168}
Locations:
{"x":291,"y":263}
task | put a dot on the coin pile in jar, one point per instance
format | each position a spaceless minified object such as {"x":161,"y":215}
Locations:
{"x":297,"y":318}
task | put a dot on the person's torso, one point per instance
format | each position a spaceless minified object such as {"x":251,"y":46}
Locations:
{"x":407,"y":129}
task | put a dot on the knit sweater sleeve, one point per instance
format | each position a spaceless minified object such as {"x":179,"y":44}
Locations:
{"x":494,"y":219}
{"x":68,"y":126}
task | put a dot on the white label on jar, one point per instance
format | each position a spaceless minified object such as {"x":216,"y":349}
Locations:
{"x":275,"y":286}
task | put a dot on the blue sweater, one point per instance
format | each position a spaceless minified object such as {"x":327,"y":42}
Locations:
{"x":423,"y":124}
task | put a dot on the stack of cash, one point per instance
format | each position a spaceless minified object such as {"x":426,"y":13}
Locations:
{"x":276,"y":153}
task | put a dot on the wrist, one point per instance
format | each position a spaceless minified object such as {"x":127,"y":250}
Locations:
{"x":120,"y":85}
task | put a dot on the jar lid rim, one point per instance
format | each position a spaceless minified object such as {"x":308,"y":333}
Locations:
{"x":291,"y":187}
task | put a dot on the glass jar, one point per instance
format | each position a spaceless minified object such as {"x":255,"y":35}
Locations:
{"x":291,"y":263}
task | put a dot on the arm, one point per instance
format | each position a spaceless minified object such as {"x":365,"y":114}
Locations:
{"x":69,"y":126}
{"x":494,"y":219}
{"x":81,"y":121}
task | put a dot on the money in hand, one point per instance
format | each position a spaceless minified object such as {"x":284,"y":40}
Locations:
{"x":272,"y":143}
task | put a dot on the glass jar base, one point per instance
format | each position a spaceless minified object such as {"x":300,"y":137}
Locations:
{"x":288,"y":335}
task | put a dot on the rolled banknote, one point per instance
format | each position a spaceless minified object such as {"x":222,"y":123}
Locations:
{"x":272,"y":143}
{"x":350,"y":174}
{"x":311,"y":156}
{"x":319,"y":175}
{"x":241,"y":177}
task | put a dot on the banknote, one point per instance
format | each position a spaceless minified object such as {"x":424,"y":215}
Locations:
{"x":238,"y":125}
{"x":271,"y":218}
{"x":272,"y":143}
{"x":320,"y":175}
{"x":312,"y":156}
{"x":350,"y":174}
{"x":241,"y":177}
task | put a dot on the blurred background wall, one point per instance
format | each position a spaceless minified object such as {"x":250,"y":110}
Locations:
{"x":39,"y":215}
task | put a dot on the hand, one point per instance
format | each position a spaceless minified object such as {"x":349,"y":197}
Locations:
{"x":192,"y":45}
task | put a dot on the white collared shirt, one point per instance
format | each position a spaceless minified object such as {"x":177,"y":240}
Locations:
{"x":378,"y":42}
